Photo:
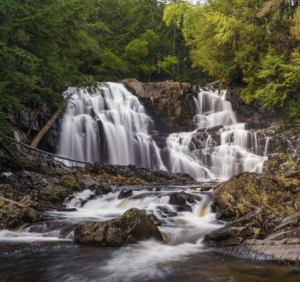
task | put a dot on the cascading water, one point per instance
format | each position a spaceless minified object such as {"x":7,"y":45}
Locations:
{"x":42,"y":251}
{"x":109,"y":125}
{"x":220,"y":147}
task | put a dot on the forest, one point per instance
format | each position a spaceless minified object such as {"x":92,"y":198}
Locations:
{"x":150,"y":140}
{"x":46,"y":46}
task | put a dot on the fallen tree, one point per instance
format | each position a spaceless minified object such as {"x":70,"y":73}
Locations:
{"x":44,"y":130}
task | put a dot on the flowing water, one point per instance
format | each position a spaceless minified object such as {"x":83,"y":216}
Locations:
{"x":111,"y":125}
{"x":220,"y":148}
{"x":46,"y":251}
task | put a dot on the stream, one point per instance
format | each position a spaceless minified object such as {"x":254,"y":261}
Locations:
{"x":47,"y":251}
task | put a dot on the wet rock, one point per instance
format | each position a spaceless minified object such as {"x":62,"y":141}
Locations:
{"x":62,"y":229}
{"x":116,"y":232}
{"x":166,"y":212}
{"x":214,"y":128}
{"x":155,"y":220}
{"x":67,"y":210}
{"x":103,"y":190}
{"x":181,"y":198}
{"x":184,"y":208}
{"x":125,"y":194}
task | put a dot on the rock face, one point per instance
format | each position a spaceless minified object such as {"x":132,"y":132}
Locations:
{"x":250,"y":191}
{"x":133,"y":226}
{"x":169,"y":103}
{"x":263,"y":212}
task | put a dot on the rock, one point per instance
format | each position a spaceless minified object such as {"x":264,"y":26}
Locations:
{"x":155,"y":220}
{"x":14,"y":214}
{"x":214,"y":128}
{"x":282,"y":164}
{"x":125,"y":194}
{"x":263,"y":214}
{"x":194,"y":89}
{"x":103,"y":190}
{"x":115,"y":237}
{"x":135,"y":86}
{"x":132,"y":226}
{"x":166,"y":212}
{"x":65,"y":230}
{"x":247,"y":192}
{"x":184,"y":208}
{"x":181,"y":198}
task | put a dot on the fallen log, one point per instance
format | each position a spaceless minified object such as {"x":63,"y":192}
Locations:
{"x":40,"y":151}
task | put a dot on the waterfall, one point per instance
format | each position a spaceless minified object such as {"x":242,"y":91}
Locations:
{"x":220,"y":147}
{"x":109,"y":125}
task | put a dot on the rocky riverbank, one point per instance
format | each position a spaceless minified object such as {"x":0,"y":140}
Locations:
{"x":36,"y":183}
{"x":263,"y":215}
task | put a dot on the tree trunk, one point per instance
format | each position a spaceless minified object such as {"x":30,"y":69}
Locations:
{"x":44,"y":130}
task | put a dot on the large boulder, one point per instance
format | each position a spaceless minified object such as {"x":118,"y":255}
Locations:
{"x":133,"y":226}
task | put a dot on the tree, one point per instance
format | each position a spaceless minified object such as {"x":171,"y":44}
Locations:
{"x":253,"y":44}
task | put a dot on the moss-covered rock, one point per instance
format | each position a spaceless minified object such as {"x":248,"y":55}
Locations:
{"x":133,"y":226}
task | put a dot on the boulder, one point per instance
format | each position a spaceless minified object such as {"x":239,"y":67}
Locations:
{"x":133,"y":226}
{"x":181,"y":198}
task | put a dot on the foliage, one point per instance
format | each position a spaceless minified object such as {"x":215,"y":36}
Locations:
{"x":56,"y":195}
{"x":253,"y":43}
{"x":48,"y":45}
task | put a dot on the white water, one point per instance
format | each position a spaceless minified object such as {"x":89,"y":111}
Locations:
{"x":11,"y":236}
{"x":108,"y":125}
{"x":183,"y":232}
{"x":111,"y":126}
{"x":204,"y":158}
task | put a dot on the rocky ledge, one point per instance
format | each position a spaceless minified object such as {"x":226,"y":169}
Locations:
{"x":263,"y":215}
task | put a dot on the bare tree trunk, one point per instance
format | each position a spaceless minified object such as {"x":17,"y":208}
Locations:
{"x":44,"y":130}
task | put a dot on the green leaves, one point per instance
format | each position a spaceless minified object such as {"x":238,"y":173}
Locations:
{"x":253,"y":43}
{"x":167,"y":63}
{"x":136,"y":50}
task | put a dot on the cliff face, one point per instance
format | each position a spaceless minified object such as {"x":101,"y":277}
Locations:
{"x":172,"y":103}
